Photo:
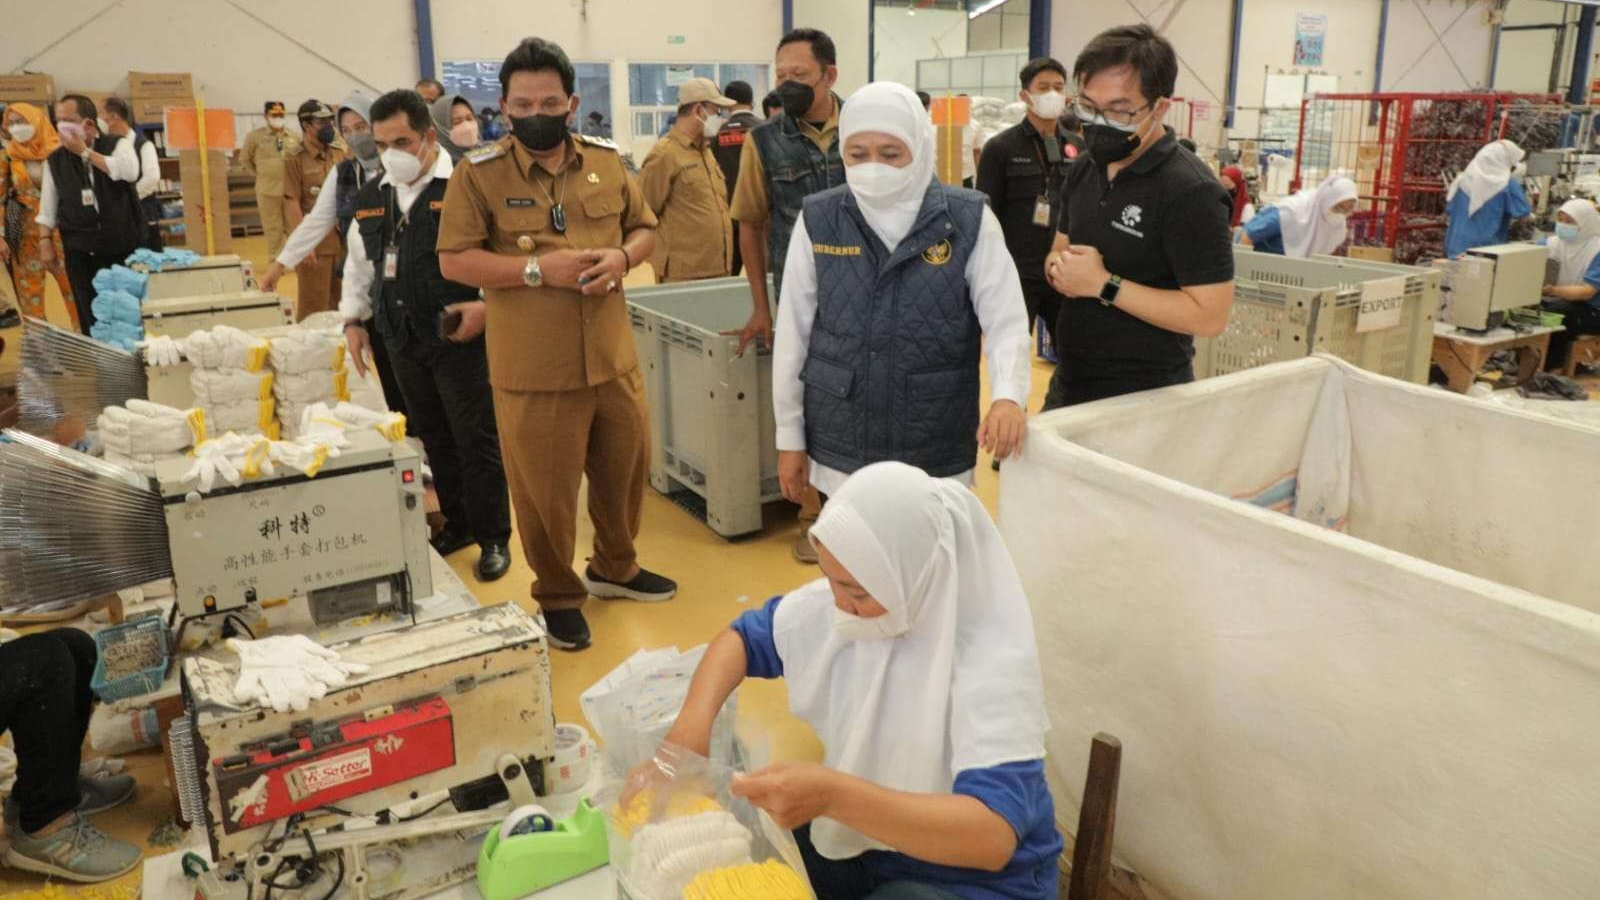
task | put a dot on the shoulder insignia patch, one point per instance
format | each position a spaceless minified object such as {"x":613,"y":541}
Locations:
{"x":485,"y":153}
{"x":369,"y":213}
{"x":436,"y":205}
{"x":596,"y":141}
{"x":938,"y":254}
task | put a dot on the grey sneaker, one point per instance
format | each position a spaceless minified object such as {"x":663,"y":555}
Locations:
{"x":95,"y":795}
{"x":77,"y":851}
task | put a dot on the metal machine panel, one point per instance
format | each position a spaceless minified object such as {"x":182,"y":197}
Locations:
{"x":442,"y":702}
{"x":360,"y":520}
{"x":180,"y":316}
{"x":1486,"y":281}
{"x":221,"y":274}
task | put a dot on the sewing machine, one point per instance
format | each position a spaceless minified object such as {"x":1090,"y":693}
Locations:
{"x":1484,"y":282}
{"x":455,"y":710}
{"x":352,"y":540}
{"x":222,"y":274}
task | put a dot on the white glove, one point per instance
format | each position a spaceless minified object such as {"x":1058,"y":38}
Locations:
{"x":233,"y":456}
{"x":304,"y":350}
{"x":144,"y":427}
{"x":303,"y":454}
{"x":215,"y":386}
{"x":160,"y":351}
{"x":287,"y":672}
{"x":244,"y":416}
{"x":225,"y":347}
{"x":313,"y":386}
{"x":391,"y":425}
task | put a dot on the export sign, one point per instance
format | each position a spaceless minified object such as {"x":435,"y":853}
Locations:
{"x":1382,"y":302}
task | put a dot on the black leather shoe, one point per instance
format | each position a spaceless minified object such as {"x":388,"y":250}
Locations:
{"x":493,"y":561}
{"x":10,"y":319}
{"x":450,"y":539}
{"x":567,"y":629}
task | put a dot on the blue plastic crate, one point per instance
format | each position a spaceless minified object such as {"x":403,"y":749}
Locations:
{"x":145,"y":628}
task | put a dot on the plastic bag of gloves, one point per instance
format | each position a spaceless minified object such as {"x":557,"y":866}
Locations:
{"x":117,"y":306}
{"x":118,"y":334}
{"x":632,"y":709}
{"x":121,"y":278}
{"x":676,"y":831}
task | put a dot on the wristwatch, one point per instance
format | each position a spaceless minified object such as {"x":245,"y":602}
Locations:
{"x":1108,"y":291}
{"x":532,"y":276}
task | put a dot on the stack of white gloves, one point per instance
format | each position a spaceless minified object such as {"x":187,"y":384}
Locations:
{"x":288,"y":672}
{"x":141,"y":434}
{"x":309,"y":369}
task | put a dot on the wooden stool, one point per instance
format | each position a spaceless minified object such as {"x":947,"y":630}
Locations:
{"x":1585,"y":351}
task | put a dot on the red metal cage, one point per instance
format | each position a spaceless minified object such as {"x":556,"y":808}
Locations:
{"x":1402,"y":150}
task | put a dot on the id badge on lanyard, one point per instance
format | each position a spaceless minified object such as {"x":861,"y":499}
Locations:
{"x":391,"y":263}
{"x":87,"y":196}
{"x":1041,"y":211}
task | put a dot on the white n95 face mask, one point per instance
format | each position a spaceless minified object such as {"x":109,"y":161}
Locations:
{"x":851,"y":627}
{"x":403,"y":168}
{"x":22,"y":132}
{"x":275,"y":122}
{"x":1049,"y":105}
{"x":876,"y":180}
{"x":713,"y":125}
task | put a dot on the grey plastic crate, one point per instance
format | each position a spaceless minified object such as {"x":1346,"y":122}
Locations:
{"x":1288,"y":308}
{"x":712,"y":431}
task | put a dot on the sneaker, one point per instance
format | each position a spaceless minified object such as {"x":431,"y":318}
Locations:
{"x":10,"y":319}
{"x":77,"y":851}
{"x":95,"y":795}
{"x":646,"y":587}
{"x":567,"y":629}
{"x":805,"y":553}
{"x":450,"y":539}
{"x":493,"y":560}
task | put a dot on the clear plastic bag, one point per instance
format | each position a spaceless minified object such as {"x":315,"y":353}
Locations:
{"x":632,"y":708}
{"x":676,"y":831}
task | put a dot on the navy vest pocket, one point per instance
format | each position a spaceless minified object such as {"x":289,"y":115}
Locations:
{"x":943,"y":383}
{"x":828,"y":377}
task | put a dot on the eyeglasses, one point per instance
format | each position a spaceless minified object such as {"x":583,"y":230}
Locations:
{"x":1092,"y":114}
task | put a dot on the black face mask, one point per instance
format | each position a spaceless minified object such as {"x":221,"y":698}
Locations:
{"x":325,"y":135}
{"x":1108,"y":145}
{"x":539,"y":133}
{"x":796,"y":97}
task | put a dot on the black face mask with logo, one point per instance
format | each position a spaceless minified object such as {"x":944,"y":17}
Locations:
{"x":796,"y":97}
{"x":539,"y":132}
{"x":1108,"y":145}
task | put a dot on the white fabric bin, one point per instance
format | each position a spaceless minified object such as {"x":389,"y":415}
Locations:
{"x":1407,"y":709}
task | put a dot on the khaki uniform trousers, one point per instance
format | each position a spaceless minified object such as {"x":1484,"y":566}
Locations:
{"x":271,"y":206}
{"x":549,"y":440}
{"x":319,"y":287}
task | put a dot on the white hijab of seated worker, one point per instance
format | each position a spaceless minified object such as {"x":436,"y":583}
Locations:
{"x":1308,"y":221}
{"x":889,"y":197}
{"x":948,"y":680}
{"x":1576,"y":255}
{"x":1487,"y":175}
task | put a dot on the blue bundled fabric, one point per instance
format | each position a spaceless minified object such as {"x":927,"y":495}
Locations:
{"x":117,"y":334}
{"x":116,"y":306}
{"x":162,"y":260}
{"x":121,"y":278}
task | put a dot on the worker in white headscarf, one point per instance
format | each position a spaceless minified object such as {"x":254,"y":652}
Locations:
{"x":1485,"y":199}
{"x":892,"y":285}
{"x":1309,"y":223}
{"x":914,"y":660}
{"x":1575,"y":293}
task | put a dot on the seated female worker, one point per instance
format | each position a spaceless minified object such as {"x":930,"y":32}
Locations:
{"x":1309,"y":223}
{"x":914,"y":661}
{"x":1575,"y":293}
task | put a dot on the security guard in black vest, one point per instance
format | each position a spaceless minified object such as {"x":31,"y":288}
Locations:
{"x":431,"y":327}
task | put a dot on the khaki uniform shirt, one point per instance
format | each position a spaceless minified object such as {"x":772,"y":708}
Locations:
{"x":750,"y":201}
{"x":304,"y":171}
{"x":546,"y":338}
{"x":263,"y":155}
{"x":686,"y":189}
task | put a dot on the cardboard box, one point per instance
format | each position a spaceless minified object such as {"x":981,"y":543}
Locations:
{"x":951,"y":110}
{"x":194,"y":204}
{"x":32,"y":88}
{"x":148,"y":111}
{"x":147,"y":85}
{"x":1373,"y":254}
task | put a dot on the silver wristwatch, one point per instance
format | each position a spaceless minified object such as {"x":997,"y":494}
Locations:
{"x":531,"y":274}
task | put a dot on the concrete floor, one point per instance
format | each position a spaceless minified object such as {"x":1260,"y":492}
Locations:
{"x":717,"y":579}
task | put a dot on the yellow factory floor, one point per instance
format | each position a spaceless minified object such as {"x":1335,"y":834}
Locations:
{"x":714,"y":575}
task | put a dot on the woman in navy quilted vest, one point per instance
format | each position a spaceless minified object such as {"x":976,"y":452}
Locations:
{"x":893,"y":284}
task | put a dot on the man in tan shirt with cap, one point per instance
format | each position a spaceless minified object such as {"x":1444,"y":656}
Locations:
{"x":686,"y":189}
{"x":304,"y":172}
{"x":263,"y":154}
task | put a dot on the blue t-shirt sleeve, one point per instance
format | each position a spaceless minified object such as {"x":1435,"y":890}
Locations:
{"x":1517,"y":204}
{"x":1265,"y":227}
{"x":1012,"y":790}
{"x":1592,"y":278}
{"x":760,"y":651}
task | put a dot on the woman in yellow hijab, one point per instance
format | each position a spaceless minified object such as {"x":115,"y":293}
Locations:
{"x":33,"y":139}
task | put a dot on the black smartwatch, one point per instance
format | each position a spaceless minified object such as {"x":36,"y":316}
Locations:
{"x":1108,"y":291}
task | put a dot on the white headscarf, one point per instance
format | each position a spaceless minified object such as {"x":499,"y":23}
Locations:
{"x":1487,"y":174}
{"x":891,"y":108}
{"x":959,"y":687}
{"x":1303,"y":218}
{"x":1575,"y":256}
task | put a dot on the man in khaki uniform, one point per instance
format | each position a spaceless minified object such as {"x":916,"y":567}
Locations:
{"x":686,"y":189}
{"x":263,"y":154}
{"x":304,"y":172}
{"x":547,"y":224}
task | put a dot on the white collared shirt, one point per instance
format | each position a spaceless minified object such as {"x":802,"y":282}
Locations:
{"x":355,"y":300}
{"x":123,"y":164}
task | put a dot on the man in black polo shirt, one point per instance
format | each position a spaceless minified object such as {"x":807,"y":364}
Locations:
{"x":729,"y":145}
{"x":1021,"y":169}
{"x":1143,"y":260}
